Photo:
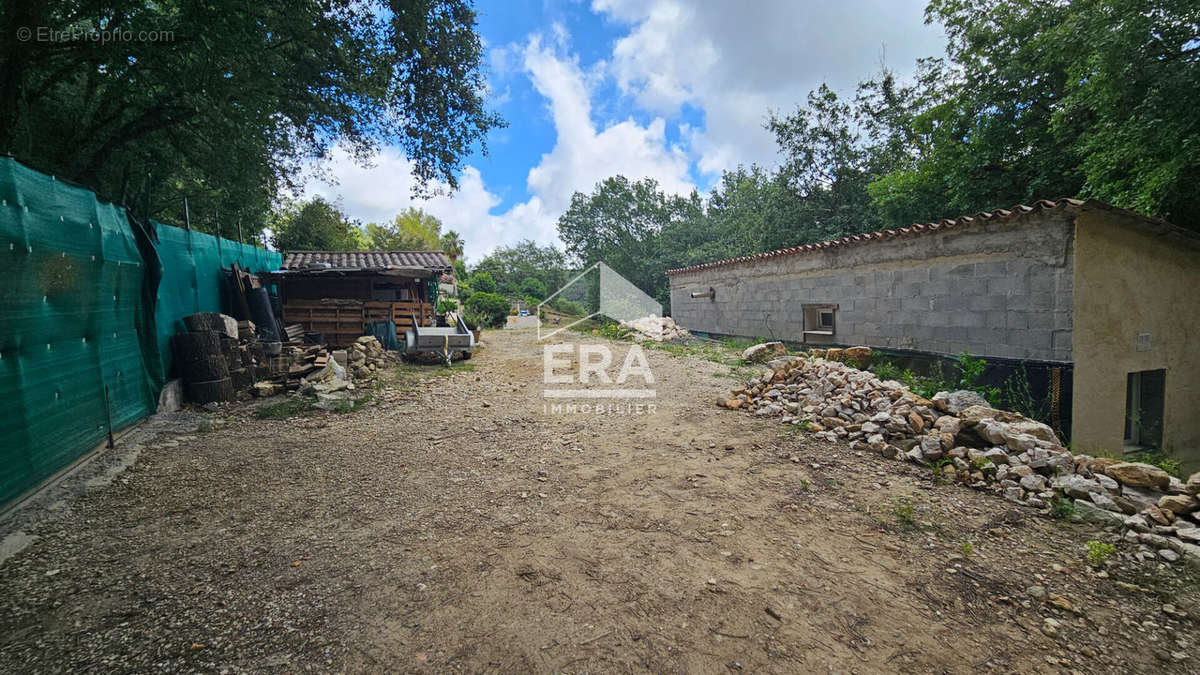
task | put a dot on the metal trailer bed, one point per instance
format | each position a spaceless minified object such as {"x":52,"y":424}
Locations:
{"x":443,"y":341}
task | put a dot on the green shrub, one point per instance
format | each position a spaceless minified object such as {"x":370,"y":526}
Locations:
{"x":534,"y":288}
{"x":1098,"y":552}
{"x":490,"y":309}
{"x":446,"y":305}
{"x":1061,"y":508}
{"x":483,"y":282}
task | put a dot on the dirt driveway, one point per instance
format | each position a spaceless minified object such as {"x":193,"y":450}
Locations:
{"x":455,"y":524}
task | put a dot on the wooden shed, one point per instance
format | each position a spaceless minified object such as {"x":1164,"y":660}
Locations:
{"x":335,"y":293}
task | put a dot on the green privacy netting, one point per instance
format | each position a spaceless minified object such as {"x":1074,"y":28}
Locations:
{"x":191,"y":279}
{"x":85,"y":318}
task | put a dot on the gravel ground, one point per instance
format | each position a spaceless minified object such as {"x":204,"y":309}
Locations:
{"x":456,"y":524}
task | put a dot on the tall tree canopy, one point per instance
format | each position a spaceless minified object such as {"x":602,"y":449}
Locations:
{"x":508,"y":268}
{"x":225,"y":101}
{"x":411,"y":230}
{"x":315,"y":225}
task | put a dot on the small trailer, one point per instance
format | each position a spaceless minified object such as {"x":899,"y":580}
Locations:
{"x":440,"y":340}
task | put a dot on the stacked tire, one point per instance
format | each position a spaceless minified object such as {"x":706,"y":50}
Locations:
{"x":200,"y":360}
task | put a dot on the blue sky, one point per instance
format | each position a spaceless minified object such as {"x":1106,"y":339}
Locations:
{"x":669,"y":89}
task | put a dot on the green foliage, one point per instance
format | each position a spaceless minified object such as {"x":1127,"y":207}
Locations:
{"x":1098,"y":552}
{"x":452,"y":245}
{"x":235,"y":100}
{"x":622,"y":223}
{"x":1018,"y":396}
{"x":474,"y":318}
{"x":567,"y":306}
{"x":613,"y":331}
{"x":411,"y":230}
{"x":967,"y":548}
{"x":970,"y":370}
{"x":533,"y":288}
{"x":902,"y":509}
{"x":316,"y":225}
{"x":297,"y":406}
{"x":482,"y":282}
{"x":1061,"y":508}
{"x":491,"y":309}
{"x":511,"y":266}
{"x":446,"y":305}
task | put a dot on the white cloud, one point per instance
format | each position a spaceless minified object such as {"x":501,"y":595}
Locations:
{"x":582,"y":156}
{"x":735,"y":61}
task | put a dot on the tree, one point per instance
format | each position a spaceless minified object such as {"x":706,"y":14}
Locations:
{"x":482,"y":282}
{"x":226,"y":102}
{"x":621,"y":223}
{"x":826,"y":166}
{"x":452,"y":245}
{"x":411,"y":230}
{"x":316,"y":225}
{"x":494,"y":308}
{"x":509,"y":266}
{"x":1129,"y":108}
{"x":533,"y":288}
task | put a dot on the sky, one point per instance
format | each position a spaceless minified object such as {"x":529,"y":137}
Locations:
{"x":675,"y":90}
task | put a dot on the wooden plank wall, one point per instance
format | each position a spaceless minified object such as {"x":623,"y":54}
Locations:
{"x":342,"y":322}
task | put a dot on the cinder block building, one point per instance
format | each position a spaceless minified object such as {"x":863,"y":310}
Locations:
{"x":1111,"y":297}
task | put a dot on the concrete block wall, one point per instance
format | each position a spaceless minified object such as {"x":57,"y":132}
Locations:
{"x":1000,"y":289}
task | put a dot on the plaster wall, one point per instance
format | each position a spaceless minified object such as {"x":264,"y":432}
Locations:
{"x":1129,"y":282}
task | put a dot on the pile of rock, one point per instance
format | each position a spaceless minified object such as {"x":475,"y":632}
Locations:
{"x":655,"y":328}
{"x":364,"y":358}
{"x":969,"y":442}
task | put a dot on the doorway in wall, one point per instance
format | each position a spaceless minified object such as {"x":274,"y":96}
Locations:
{"x":1144,"y":397}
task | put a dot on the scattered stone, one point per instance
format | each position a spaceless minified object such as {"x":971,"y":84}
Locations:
{"x":763,"y":352}
{"x":1168,"y":555}
{"x":1138,"y":474}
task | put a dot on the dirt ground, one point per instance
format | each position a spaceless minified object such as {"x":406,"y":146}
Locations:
{"x":456,"y":524}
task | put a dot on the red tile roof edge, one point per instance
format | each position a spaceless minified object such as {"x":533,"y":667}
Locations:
{"x":912,"y":230}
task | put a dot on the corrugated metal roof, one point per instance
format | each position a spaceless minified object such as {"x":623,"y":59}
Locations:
{"x":368,"y":260}
{"x":912,"y":230}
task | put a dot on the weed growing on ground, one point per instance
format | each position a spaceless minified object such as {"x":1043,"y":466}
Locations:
{"x":903,"y":511}
{"x":292,"y":407}
{"x":967,"y":548}
{"x":1061,"y":507}
{"x":204,"y":426}
{"x":343,"y":407}
{"x":1098,"y":552}
{"x":936,"y":467}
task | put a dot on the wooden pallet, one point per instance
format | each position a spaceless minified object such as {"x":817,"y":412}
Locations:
{"x":340,"y":323}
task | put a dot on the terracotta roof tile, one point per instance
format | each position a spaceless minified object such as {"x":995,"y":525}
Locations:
{"x":912,"y":230}
{"x":368,"y":260}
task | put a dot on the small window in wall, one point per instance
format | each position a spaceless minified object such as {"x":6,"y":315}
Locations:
{"x":1144,"y":398}
{"x":820,"y":320}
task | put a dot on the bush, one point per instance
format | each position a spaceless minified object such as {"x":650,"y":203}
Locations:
{"x":533,"y":288}
{"x":490,"y":308}
{"x":483,"y":282}
{"x":446,"y":305}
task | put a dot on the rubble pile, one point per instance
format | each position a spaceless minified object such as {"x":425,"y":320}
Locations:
{"x":968,"y":442}
{"x":655,"y":328}
{"x":365,"y":357}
